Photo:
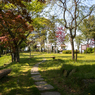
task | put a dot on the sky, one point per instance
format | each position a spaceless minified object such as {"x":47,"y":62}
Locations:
{"x":59,"y":14}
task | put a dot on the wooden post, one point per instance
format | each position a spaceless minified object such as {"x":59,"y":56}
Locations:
{"x":76,"y":55}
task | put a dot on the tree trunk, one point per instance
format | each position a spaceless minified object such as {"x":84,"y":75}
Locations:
{"x":94,"y":45}
{"x":86,"y":45}
{"x":55,"y":48}
{"x":17,"y":54}
{"x":52,"y":49}
{"x":41,"y":49}
{"x":30,"y":50}
{"x":12,"y":55}
{"x":30,"y":53}
{"x":72,"y":45}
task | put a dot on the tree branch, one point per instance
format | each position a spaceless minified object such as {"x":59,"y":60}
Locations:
{"x":23,"y":39}
{"x":86,"y":15}
{"x":75,"y":17}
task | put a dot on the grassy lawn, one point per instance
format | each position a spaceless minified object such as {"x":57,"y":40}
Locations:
{"x":5,"y":59}
{"x":19,"y":81}
{"x":81,"y":82}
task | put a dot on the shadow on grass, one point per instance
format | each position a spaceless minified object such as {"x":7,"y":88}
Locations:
{"x":58,"y":57}
{"x":20,"y":83}
{"x":55,"y":56}
{"x":28,"y":54}
{"x":88,"y":61}
{"x":24,"y":61}
{"x":69,"y":56}
{"x":81,"y":82}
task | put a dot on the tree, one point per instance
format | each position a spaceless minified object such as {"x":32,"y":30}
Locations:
{"x":41,"y":27}
{"x":17,"y":7}
{"x":60,"y":34}
{"x":40,"y":31}
{"x":52,"y":32}
{"x":74,"y":12}
{"x":15,"y":20}
{"x":14,"y":31}
{"x":22,"y":7}
{"x":88,"y":28}
{"x":91,"y":22}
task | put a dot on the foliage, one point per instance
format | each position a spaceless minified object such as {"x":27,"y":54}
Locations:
{"x":35,"y":7}
{"x":13,"y":31}
{"x":23,"y":45}
{"x":93,"y":50}
{"x":79,"y":39}
{"x":18,"y":7}
{"x":16,"y":22}
{"x":40,"y":32}
{"x":89,"y":50}
{"x":52,"y":30}
{"x":91,"y":25}
{"x":88,"y":30}
{"x":88,"y":27}
{"x":22,"y":7}
{"x":69,"y":51}
{"x":60,"y":34}
{"x":66,"y":51}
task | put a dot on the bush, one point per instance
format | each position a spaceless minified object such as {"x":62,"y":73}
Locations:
{"x":69,"y":51}
{"x":77,"y":51}
{"x":93,"y":50}
{"x":89,"y":50}
{"x":66,"y":52}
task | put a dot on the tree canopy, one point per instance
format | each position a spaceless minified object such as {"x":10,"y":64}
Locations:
{"x":16,"y":22}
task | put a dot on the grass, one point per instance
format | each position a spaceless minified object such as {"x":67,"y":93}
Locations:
{"x":81,"y":82}
{"x":19,"y":81}
{"x":3,"y":61}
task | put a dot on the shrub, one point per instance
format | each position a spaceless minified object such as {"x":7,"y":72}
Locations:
{"x":66,"y":52}
{"x":77,"y":51}
{"x":69,"y":51}
{"x":93,"y":50}
{"x":37,"y":49}
{"x":89,"y":50}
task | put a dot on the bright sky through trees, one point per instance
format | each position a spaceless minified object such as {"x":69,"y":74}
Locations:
{"x":58,"y":13}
